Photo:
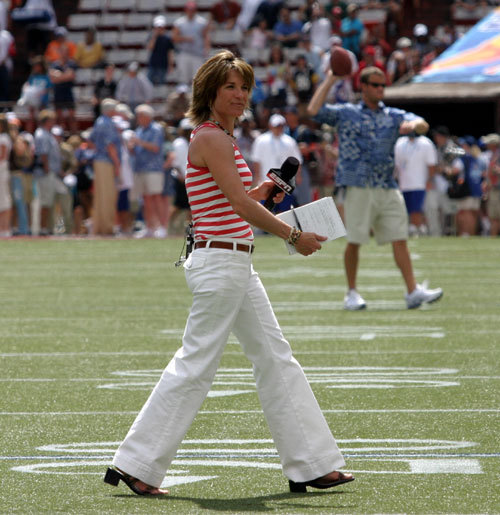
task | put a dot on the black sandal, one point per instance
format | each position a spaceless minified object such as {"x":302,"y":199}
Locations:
{"x":114,"y":476}
{"x":319,"y":482}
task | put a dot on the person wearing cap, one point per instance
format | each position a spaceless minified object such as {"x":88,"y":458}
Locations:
{"x":370,"y":58}
{"x":351,"y":30}
{"x":106,"y":164}
{"x":134,"y":87}
{"x":228,"y":297}
{"x":5,"y":197}
{"x":270,"y":149}
{"x":161,"y":52}
{"x":492,"y":182}
{"x":90,"y":52}
{"x":421,"y":42}
{"x":148,"y":170}
{"x":54,"y":51}
{"x":367,"y":133}
{"x":47,"y":168}
{"x":191,"y":37}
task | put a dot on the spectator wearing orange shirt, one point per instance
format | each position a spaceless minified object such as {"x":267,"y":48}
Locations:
{"x":54,"y":52}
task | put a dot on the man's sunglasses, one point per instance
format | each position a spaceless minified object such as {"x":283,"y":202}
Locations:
{"x":376,"y":84}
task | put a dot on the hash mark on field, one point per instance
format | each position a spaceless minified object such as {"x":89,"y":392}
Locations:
{"x":344,"y":332}
{"x":331,"y":377}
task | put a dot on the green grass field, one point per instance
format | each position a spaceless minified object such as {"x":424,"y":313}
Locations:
{"x":411,"y":396}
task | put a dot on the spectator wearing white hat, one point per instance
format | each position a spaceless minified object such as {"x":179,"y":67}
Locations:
{"x":134,"y":87}
{"x":148,"y":170}
{"x":270,"y":149}
{"x":161,"y":52}
{"x":421,"y":42}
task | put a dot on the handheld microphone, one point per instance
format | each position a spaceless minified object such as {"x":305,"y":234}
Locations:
{"x":283,"y":178}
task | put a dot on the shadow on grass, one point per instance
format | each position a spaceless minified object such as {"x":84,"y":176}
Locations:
{"x":263,"y":503}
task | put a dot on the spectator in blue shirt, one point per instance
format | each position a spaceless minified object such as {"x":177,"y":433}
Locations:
{"x":471,"y":167}
{"x":367,"y":133}
{"x":287,"y":30}
{"x":351,"y":30}
{"x":47,"y":168}
{"x":107,"y":142}
{"x":148,"y":168}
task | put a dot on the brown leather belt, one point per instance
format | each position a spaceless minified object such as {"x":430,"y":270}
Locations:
{"x":224,"y":245}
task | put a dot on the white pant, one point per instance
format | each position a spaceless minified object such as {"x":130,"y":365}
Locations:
{"x":229,"y":296}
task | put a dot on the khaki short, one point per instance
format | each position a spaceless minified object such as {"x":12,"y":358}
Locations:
{"x":5,"y":198}
{"x":493,"y":204}
{"x":148,"y":183}
{"x":469,"y":204}
{"x":378,"y":209}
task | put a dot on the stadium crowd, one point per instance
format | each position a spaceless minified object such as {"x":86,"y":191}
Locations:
{"x":124,"y":174}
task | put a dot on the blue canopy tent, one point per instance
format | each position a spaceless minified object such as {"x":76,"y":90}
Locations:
{"x":461,"y":87}
{"x":475,"y":58}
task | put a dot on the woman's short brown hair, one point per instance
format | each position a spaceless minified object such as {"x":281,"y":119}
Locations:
{"x":210,"y":77}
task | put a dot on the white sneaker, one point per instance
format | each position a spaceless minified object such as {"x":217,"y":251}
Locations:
{"x":144,"y":233}
{"x":161,"y":233}
{"x":353,"y":301}
{"x":421,"y":295}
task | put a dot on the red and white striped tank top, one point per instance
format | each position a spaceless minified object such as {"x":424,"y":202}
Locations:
{"x":213,"y":215}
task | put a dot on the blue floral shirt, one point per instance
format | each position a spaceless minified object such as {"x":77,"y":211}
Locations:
{"x":103,"y":133}
{"x":145,"y":160}
{"x":366,"y":142}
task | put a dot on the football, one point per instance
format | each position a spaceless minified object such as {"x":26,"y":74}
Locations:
{"x":340,"y":61}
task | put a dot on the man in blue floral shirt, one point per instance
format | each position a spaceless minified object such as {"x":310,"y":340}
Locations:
{"x":107,"y":142}
{"x":367,"y":133}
